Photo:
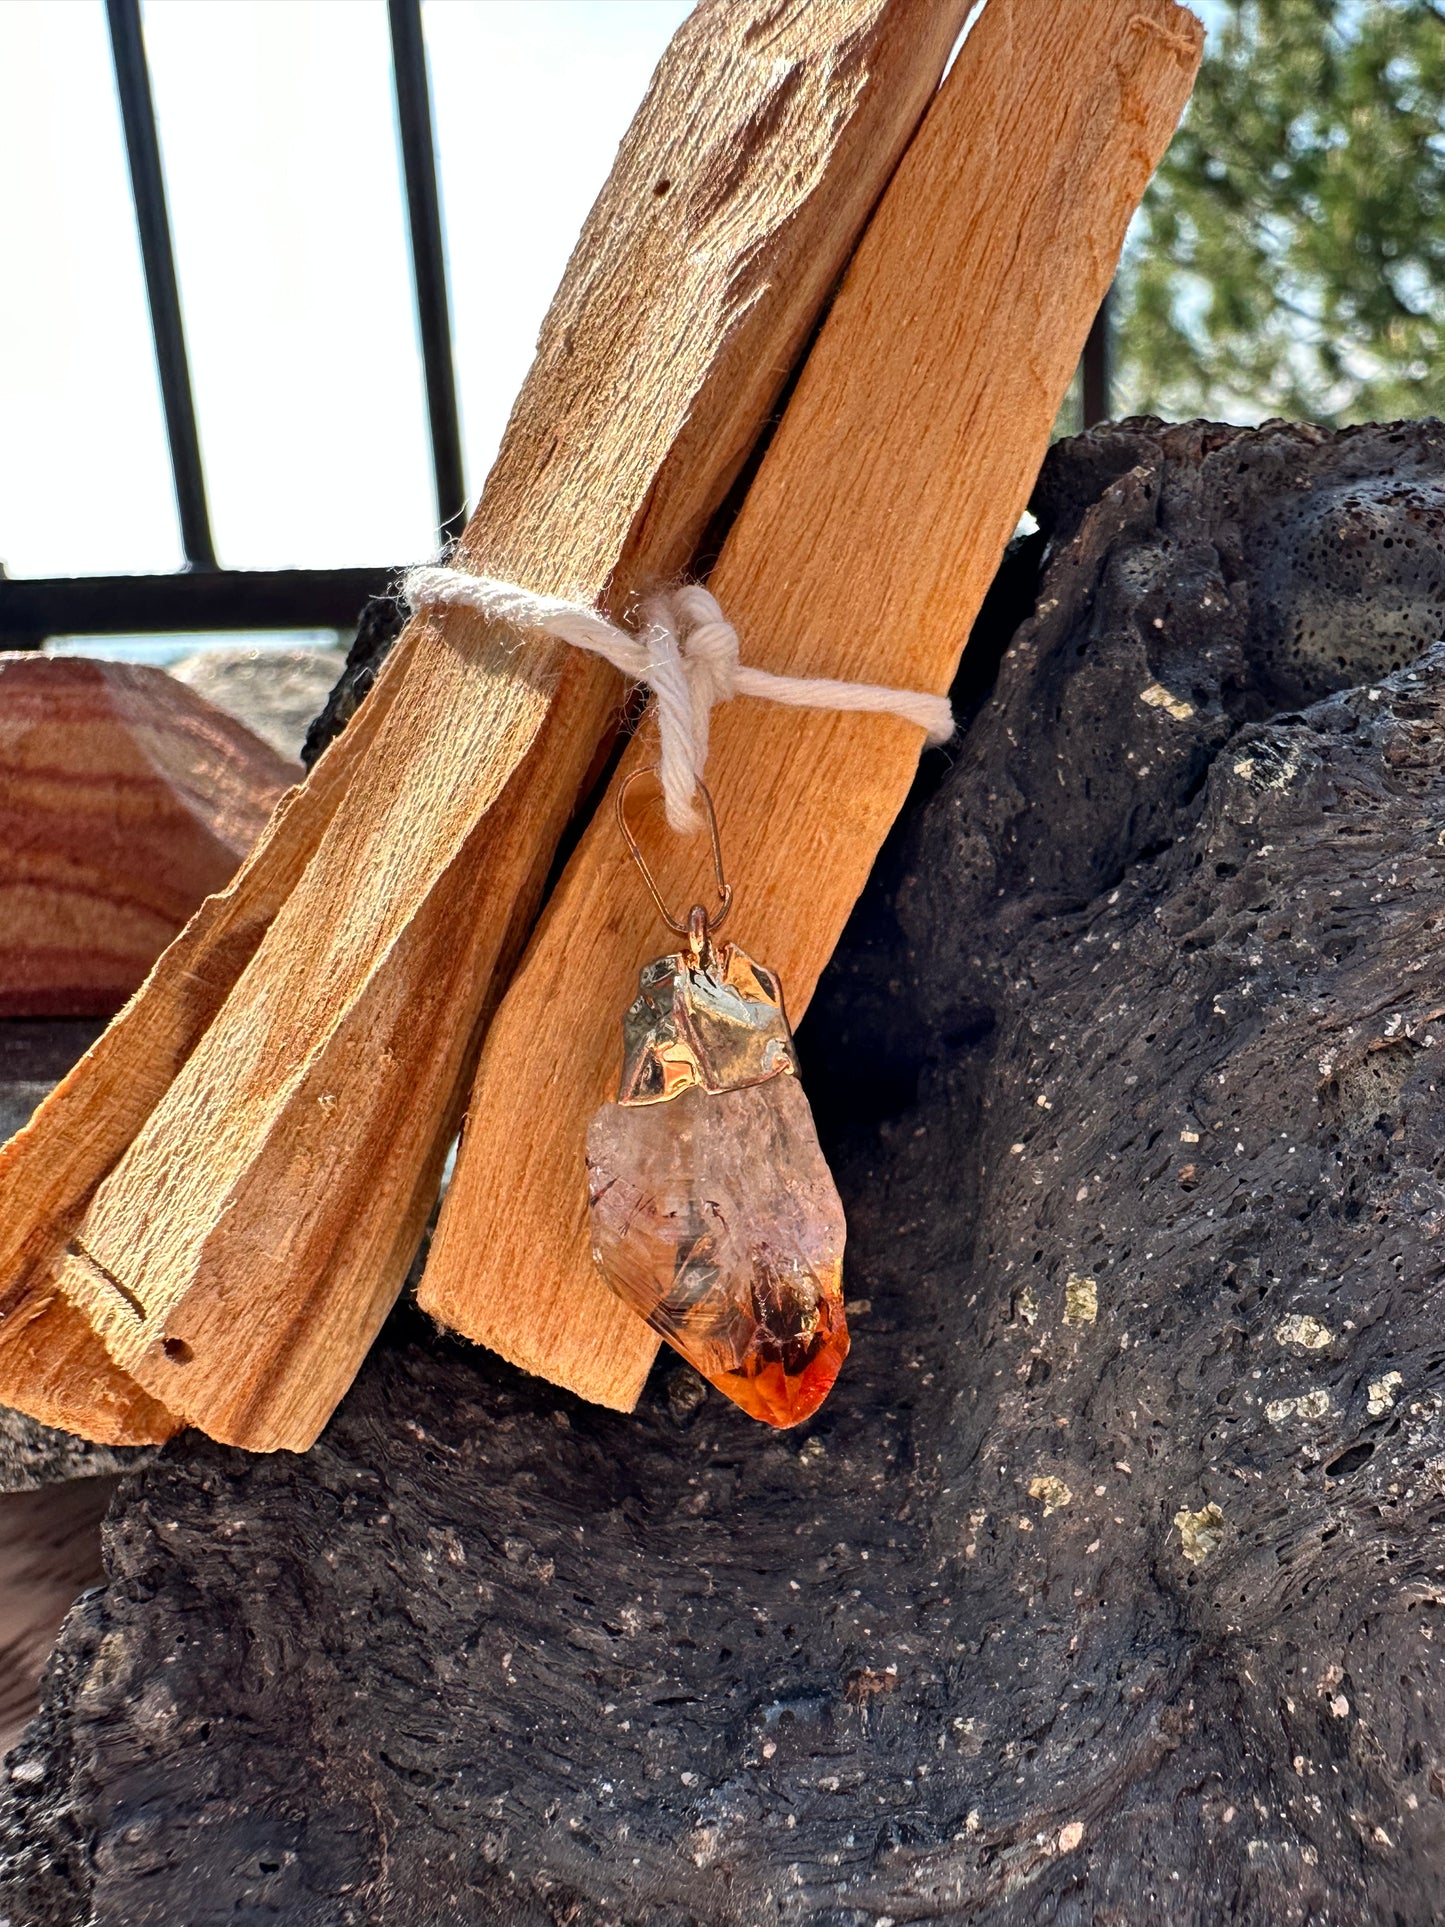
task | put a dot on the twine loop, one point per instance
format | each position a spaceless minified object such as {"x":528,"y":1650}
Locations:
{"x":686,"y":652}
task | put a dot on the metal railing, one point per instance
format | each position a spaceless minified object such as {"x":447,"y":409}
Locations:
{"x":202,"y":595}
{"x":1096,"y":369}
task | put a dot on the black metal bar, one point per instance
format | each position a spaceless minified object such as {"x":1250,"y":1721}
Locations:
{"x":132,"y":79}
{"x":1098,"y":367}
{"x":428,"y":259}
{"x":32,"y":608}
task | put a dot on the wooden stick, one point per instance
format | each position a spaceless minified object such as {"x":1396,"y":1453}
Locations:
{"x":52,"y":1365}
{"x":240,"y":1256}
{"x":863,"y":550}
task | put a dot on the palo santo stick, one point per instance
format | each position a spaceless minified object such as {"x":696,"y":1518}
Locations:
{"x":863,"y":550}
{"x":52,"y":1365}
{"x":241,"y":1255}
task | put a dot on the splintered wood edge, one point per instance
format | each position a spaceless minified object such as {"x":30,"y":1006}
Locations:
{"x":51,"y":1167}
{"x":863,"y":549}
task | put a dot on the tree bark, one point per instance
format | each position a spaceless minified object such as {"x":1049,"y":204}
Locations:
{"x":1106,"y":1586}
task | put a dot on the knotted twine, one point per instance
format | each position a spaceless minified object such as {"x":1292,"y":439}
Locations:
{"x":686,"y":652}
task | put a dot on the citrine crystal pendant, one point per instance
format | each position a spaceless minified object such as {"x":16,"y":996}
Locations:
{"x":713,"y":1212}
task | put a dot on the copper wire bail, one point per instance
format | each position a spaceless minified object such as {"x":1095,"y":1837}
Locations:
{"x":700,"y":923}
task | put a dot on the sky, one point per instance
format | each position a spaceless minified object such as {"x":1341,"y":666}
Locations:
{"x":278,"y":138}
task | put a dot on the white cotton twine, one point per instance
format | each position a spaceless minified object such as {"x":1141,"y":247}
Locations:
{"x":686,"y":652}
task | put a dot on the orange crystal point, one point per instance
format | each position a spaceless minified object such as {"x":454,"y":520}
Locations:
{"x":715,"y":1216}
{"x":771,"y":1394}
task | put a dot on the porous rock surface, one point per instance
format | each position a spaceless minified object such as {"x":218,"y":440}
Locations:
{"x":1109,"y":1587}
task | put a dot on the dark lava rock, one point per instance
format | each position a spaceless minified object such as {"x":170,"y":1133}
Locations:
{"x":33,"y":1455}
{"x":378,"y":627}
{"x":1109,"y":1587}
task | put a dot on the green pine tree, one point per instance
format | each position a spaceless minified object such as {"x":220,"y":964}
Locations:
{"x":1289,"y":258}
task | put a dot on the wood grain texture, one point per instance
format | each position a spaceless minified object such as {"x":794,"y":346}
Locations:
{"x":52,"y":1365}
{"x":239,"y":1258}
{"x":863,"y":549}
{"x":125,"y":799}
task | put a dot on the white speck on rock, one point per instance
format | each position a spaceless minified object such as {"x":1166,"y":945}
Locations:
{"x":1054,"y":1493}
{"x":1081,"y":1300}
{"x":1303,"y":1331}
{"x":1306,"y":1405}
{"x":1156,"y":696}
{"x":1201,"y":1532}
{"x":1383,"y":1392}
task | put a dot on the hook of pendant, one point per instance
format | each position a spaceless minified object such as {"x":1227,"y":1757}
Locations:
{"x":700,"y":922}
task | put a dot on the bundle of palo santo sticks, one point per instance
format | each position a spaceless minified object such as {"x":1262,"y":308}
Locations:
{"x":208,"y":1220}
